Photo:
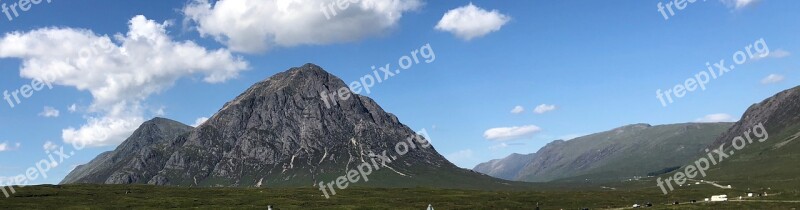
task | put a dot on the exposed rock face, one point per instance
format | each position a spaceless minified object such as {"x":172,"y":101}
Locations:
{"x":621,"y":153}
{"x":277,"y":133}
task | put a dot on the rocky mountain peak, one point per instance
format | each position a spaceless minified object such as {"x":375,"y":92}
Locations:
{"x":279,"y":132}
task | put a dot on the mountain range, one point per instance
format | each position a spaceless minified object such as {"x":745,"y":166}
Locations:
{"x":281,"y":133}
{"x":617,"y":154}
{"x":642,"y":150}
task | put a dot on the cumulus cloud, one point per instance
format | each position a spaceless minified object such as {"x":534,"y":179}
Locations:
{"x":199,"y":121}
{"x":49,"y":112}
{"x":543,"y":108}
{"x":510,"y":133}
{"x":720,"y":117}
{"x":772,"y":79}
{"x":518,"y":110}
{"x":120,"y":73}
{"x":469,"y":22}
{"x":253,"y":26}
{"x":739,"y":4}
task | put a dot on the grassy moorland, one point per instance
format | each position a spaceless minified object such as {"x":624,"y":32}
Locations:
{"x":155,"y":197}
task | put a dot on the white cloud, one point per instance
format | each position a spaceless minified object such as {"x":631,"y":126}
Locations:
{"x":779,"y":53}
{"x":72,"y":108}
{"x":469,"y":22}
{"x":120,"y":75}
{"x":772,"y":79}
{"x":720,"y":117}
{"x":257,"y":25}
{"x":511,"y":133}
{"x":4,"y":147}
{"x":49,"y":112}
{"x":199,"y":121}
{"x":739,"y":4}
{"x":541,"y":109}
{"x":518,"y":110}
{"x":50,"y":146}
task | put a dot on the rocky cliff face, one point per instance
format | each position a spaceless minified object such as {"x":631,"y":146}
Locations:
{"x":279,"y":132}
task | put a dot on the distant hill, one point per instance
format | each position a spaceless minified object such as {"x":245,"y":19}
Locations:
{"x":618,"y":154}
{"x":507,"y":168}
{"x":280,"y":132}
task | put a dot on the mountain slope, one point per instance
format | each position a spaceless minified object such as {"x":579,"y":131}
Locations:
{"x":621,"y":153}
{"x":768,"y":164}
{"x":128,"y":163}
{"x":280,"y":132}
{"x":507,"y":168}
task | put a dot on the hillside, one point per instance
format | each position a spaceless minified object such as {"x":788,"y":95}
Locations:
{"x":618,"y":154}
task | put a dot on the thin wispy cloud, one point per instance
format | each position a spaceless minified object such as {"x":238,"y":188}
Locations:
{"x":49,"y":112}
{"x":518,"y":110}
{"x":544,"y":108}
{"x":719,"y":117}
{"x":510,"y":133}
{"x":739,"y":4}
{"x":772,"y":79}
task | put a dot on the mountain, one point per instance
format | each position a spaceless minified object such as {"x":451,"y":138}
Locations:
{"x":768,"y":164}
{"x":506,"y":168}
{"x":621,"y":153}
{"x":280,"y":132}
{"x":131,"y":162}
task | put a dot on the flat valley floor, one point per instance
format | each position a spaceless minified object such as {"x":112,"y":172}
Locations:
{"x":156,"y":197}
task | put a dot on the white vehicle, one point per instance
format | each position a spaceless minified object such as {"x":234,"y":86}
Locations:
{"x":717,"y":198}
{"x":636,"y":206}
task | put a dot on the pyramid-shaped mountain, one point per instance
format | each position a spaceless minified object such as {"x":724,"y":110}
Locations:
{"x":280,"y":132}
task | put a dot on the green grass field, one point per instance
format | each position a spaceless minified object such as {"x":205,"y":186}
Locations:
{"x":155,"y":197}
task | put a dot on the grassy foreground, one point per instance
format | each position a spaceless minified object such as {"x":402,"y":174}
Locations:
{"x":154,"y":197}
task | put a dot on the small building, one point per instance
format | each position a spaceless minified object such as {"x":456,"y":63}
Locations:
{"x":718,"y":198}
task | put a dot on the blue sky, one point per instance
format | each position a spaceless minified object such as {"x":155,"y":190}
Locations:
{"x":597,"y":63}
